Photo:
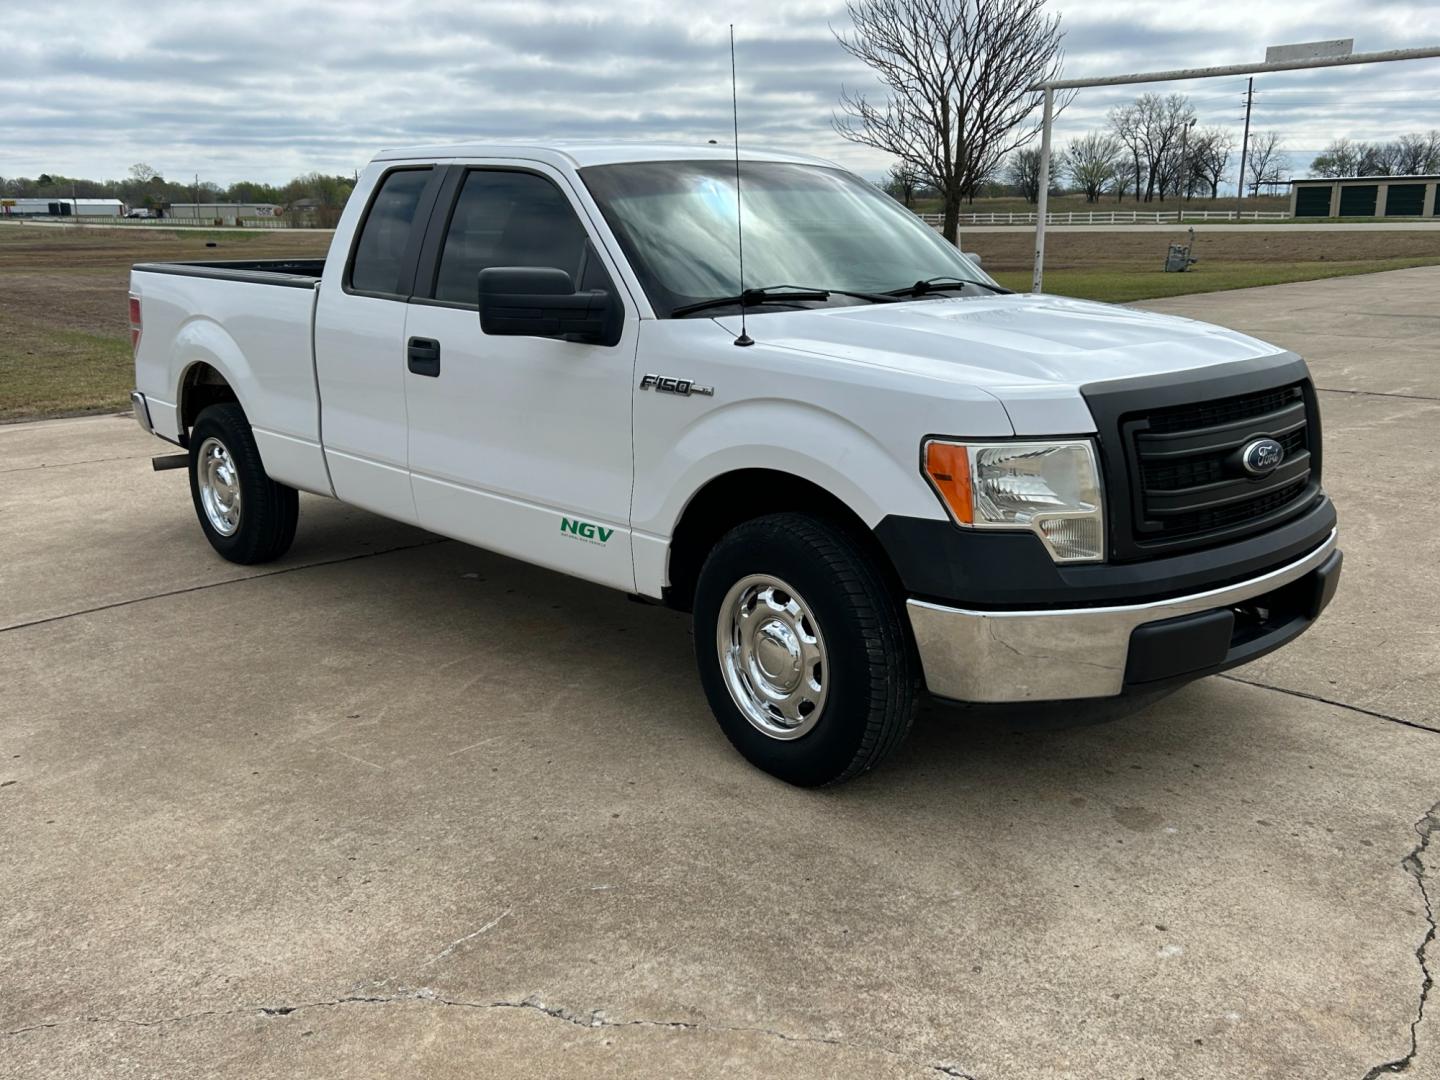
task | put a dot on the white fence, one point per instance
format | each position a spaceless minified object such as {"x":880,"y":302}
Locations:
{"x":1114,"y":217}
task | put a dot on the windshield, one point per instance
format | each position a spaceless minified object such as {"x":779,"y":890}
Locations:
{"x":805,"y":226}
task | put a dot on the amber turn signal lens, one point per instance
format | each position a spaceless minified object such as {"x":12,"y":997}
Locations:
{"x":948,"y":467}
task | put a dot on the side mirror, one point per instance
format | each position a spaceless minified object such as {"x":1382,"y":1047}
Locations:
{"x":973,"y":256}
{"x":541,"y":301}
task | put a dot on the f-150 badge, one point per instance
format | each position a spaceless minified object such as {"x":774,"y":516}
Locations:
{"x":665,"y":385}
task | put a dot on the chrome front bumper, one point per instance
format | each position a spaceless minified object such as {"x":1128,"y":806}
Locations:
{"x":142,"y":411}
{"x":996,"y":656}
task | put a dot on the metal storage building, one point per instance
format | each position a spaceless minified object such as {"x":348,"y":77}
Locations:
{"x":225,"y":212}
{"x":61,"y":208}
{"x":1364,"y":196}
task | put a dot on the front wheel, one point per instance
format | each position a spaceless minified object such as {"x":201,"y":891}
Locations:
{"x":802,"y":650}
{"x":246,"y":516}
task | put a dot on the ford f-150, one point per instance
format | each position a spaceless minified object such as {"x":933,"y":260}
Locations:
{"x":866,"y":469}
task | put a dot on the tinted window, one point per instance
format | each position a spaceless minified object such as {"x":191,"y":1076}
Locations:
{"x":512,"y":219}
{"x":386,"y":232}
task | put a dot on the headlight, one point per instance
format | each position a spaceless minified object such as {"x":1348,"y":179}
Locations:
{"x":1050,"y":488}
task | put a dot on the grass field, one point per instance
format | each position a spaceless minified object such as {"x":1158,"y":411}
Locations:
{"x":1118,"y":266}
{"x":64,"y":337}
{"x":64,"y":329}
{"x":1120,"y":286}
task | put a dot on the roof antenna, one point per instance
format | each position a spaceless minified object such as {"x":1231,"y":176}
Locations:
{"x":744,"y":338}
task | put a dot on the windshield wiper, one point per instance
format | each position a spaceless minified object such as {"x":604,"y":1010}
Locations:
{"x":944,"y":284}
{"x":752,"y":297}
{"x":773,"y":294}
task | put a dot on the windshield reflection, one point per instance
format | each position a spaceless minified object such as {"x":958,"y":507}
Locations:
{"x":808,"y":224}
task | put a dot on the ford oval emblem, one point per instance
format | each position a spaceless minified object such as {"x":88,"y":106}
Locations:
{"x":1262,"y":457}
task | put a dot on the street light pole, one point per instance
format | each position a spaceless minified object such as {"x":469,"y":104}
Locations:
{"x":1184,"y":159}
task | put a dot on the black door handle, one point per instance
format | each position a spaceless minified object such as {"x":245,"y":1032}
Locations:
{"x":423,"y":356}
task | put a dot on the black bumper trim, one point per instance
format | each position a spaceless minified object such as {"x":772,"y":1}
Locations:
{"x":1194,"y":646}
{"x":942,"y":563}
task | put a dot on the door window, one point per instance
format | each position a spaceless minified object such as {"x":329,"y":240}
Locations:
{"x":385,"y":233}
{"x":511,"y":218}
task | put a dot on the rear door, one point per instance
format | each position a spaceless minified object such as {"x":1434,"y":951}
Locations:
{"x":519,"y":444}
{"x":360,"y":343}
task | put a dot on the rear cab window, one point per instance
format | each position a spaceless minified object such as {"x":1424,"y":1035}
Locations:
{"x":387,"y":241}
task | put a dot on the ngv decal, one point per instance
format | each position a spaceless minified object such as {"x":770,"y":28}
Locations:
{"x":584,"y":530}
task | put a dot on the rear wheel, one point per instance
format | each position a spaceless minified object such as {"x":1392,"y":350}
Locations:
{"x":802,"y":650}
{"x":246,"y":516}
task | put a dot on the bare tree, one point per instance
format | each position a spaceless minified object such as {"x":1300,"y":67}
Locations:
{"x":1123,"y":183}
{"x":1408,"y":155}
{"x":957,"y":75}
{"x":1432,"y":151}
{"x":1379,"y":159}
{"x":1092,"y":162}
{"x":1022,"y":170}
{"x":1210,"y":152}
{"x":1126,"y":122}
{"x":1152,"y":127}
{"x":1413,"y":153}
{"x":1340,"y":159}
{"x":1267,"y":156}
{"x":1164,"y":121}
{"x":901,"y":184}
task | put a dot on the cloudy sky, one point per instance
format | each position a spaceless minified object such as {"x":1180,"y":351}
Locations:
{"x":270,"y":89}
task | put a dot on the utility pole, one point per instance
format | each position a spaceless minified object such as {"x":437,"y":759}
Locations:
{"x":1245,"y":139}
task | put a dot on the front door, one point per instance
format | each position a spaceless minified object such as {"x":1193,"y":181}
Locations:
{"x":519,"y":444}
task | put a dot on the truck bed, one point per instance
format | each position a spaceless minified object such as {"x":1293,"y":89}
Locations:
{"x":230,"y":316}
{"x":293,"y":273}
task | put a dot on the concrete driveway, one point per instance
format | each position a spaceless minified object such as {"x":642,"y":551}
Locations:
{"x":397,"y":807}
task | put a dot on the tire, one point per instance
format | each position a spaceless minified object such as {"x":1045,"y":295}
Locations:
{"x":224,"y":463}
{"x":824,"y":610}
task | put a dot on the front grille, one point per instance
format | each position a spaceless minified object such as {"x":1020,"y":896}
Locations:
{"x":1209,"y":469}
{"x":1225,"y":411}
{"x":1204,"y":521}
{"x":1188,"y":486}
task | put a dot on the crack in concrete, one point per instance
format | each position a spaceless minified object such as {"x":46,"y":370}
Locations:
{"x":1376,"y":393}
{"x":430,"y":542}
{"x":158,"y":1021}
{"x":1331,"y":701}
{"x":71,"y":464}
{"x":443,"y":953}
{"x":593,"y":1019}
{"x":1414,"y":864}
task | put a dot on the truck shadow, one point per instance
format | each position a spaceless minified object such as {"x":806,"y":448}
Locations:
{"x":628,"y":669}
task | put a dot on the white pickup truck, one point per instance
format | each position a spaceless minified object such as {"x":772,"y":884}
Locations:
{"x":866,"y":469}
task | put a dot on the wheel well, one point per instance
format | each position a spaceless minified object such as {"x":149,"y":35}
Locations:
{"x":741,"y":496}
{"x":202,"y":387}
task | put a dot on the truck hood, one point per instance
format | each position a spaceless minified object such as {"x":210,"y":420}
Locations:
{"x":1032,"y":352}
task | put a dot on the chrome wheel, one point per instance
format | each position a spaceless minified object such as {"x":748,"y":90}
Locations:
{"x":772,"y":656}
{"x":219,"y":486}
